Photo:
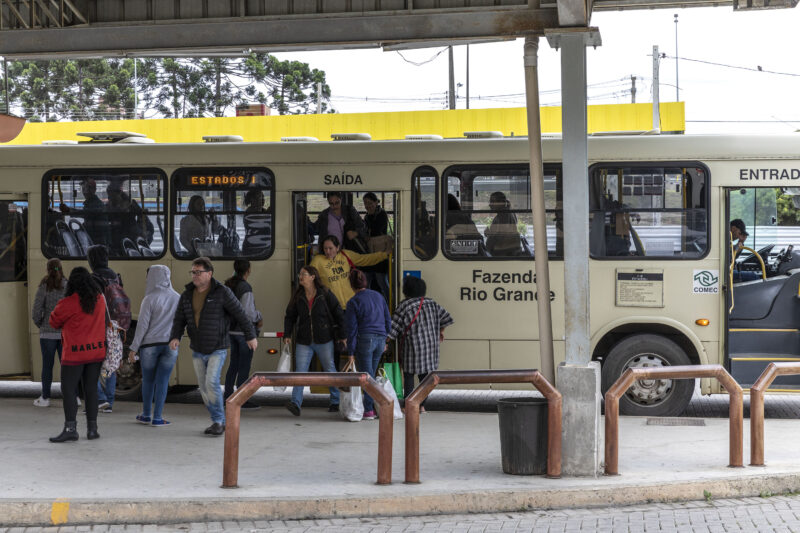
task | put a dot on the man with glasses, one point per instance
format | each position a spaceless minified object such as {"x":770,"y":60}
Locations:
{"x":205,"y":310}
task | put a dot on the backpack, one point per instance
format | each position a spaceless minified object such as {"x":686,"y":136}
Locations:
{"x":119,"y":305}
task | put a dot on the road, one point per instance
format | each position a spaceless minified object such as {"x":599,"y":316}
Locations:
{"x":767,"y":514}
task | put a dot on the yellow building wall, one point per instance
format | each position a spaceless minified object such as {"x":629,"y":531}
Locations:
{"x":393,"y":125}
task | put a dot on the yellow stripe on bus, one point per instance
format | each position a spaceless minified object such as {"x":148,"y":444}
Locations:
{"x":760,"y":329}
{"x":765,"y":358}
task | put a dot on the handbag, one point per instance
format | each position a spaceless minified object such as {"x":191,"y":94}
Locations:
{"x":351,"y":404}
{"x":284,"y":364}
{"x":386,"y":385}
{"x":350,"y":366}
{"x":380,"y":243}
{"x":394,"y":374}
{"x":114,"y":346}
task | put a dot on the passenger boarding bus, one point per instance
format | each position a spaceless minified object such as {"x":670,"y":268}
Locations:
{"x":665,"y":287}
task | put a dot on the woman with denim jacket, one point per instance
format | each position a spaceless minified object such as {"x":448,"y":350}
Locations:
{"x":51,"y":290}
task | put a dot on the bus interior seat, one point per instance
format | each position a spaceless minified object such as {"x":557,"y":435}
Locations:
{"x":144,"y":249}
{"x":130,"y":248}
{"x":68,"y":238}
{"x":80,"y":233}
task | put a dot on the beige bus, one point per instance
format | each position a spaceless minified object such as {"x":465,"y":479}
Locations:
{"x":664,"y":287}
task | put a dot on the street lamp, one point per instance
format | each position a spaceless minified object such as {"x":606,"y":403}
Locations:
{"x":677,"y":84}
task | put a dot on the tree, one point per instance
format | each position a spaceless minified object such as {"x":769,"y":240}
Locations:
{"x":42,"y":88}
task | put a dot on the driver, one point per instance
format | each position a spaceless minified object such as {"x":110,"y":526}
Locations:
{"x":739,"y":234}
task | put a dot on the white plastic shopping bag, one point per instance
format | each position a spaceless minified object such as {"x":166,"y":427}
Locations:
{"x":351,"y":405}
{"x":284,"y":364}
{"x":383,"y":381}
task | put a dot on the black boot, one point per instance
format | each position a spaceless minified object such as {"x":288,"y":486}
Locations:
{"x":91,"y":431}
{"x":70,"y":433}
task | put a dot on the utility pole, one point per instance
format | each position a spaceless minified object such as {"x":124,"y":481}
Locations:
{"x":677,"y":83}
{"x":633,"y":89}
{"x":452,"y":85}
{"x":656,"y":113}
{"x":467,"y":76}
{"x":319,"y":97}
{"x":5,"y":77}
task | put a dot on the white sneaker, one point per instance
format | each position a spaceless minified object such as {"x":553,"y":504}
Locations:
{"x":79,"y":401}
{"x":41,"y":402}
{"x":103,"y":406}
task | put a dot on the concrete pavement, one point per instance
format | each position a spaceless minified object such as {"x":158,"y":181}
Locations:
{"x":318,"y":466}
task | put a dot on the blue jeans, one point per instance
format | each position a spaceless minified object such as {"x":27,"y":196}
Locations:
{"x":49,"y":349}
{"x":157,"y":364}
{"x":208,"y":367}
{"x":107,"y":390}
{"x":302,"y":360}
{"x":369,"y":349}
{"x":239,"y":367}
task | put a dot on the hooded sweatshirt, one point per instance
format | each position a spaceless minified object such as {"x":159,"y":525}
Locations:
{"x":157,"y":310}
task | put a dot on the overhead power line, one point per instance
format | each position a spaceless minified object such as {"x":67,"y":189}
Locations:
{"x":758,"y":68}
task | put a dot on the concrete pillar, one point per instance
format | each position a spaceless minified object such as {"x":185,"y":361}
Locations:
{"x":578,"y":379}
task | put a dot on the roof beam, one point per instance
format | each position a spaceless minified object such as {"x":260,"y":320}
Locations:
{"x":273,"y":33}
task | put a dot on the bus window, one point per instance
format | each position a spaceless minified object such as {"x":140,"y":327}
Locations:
{"x":121,"y":209}
{"x":488,"y":212}
{"x":13,"y":240}
{"x":424,"y":183}
{"x":648,"y":211}
{"x":223,"y":213}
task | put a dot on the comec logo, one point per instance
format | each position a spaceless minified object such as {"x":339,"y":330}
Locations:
{"x":705,"y":282}
{"x":706,"y":278}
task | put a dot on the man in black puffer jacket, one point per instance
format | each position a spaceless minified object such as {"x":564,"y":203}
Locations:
{"x":205,"y":311}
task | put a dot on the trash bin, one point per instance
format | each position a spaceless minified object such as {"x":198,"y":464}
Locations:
{"x":523,"y":435}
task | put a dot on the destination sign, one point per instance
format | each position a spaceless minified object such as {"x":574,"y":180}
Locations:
{"x":218,"y":178}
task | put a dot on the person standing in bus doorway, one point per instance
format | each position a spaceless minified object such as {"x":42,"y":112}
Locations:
{"x":377,"y":223}
{"x":368,"y":322}
{"x":152,"y":343}
{"x":418,"y":326}
{"x":738,"y":236}
{"x":334,"y":266}
{"x":51,"y":290}
{"x":97,"y":256}
{"x":241,"y":354}
{"x":343,"y":222}
{"x":81,"y":316}
{"x":205,"y":310}
{"x":314,"y":320}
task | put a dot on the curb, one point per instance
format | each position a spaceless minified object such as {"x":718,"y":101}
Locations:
{"x":16,"y":513}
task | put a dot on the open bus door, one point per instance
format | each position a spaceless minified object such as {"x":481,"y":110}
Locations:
{"x":306,"y":207}
{"x":16,"y":360}
{"x":763,"y":276}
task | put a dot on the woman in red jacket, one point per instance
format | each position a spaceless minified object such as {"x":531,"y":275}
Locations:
{"x":81,"y":317}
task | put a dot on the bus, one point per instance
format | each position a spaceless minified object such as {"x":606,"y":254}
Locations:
{"x":666,"y":285}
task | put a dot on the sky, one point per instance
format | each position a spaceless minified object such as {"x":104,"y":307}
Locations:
{"x":719,"y":98}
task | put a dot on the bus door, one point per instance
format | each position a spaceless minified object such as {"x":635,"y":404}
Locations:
{"x":14,"y":328}
{"x":307,"y":207}
{"x":763,"y":276}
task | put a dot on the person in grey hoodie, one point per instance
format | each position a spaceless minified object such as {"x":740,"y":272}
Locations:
{"x":50,"y":291}
{"x":152,"y":343}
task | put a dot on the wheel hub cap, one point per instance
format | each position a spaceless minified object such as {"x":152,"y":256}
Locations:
{"x":648,"y":391}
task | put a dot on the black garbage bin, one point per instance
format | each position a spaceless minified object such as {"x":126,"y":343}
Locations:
{"x":523,"y":435}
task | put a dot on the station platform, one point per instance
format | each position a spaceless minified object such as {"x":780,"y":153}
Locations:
{"x":320,"y":466}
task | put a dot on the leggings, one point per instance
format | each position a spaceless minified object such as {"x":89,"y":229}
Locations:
{"x":408,"y":384}
{"x":70,"y":376}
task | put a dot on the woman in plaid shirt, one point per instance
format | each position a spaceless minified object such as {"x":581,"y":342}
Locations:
{"x":418,"y":325}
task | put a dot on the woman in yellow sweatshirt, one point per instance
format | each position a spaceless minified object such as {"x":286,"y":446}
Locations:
{"x":334,"y":266}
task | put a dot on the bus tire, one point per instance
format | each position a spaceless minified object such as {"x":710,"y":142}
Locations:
{"x":666,"y":397}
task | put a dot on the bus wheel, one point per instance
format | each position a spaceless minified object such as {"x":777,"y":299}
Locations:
{"x":648,"y":397}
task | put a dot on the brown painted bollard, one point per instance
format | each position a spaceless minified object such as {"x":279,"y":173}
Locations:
{"x":735,"y":408}
{"x":763,"y":382}
{"x":445,"y":377}
{"x":230,"y":465}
